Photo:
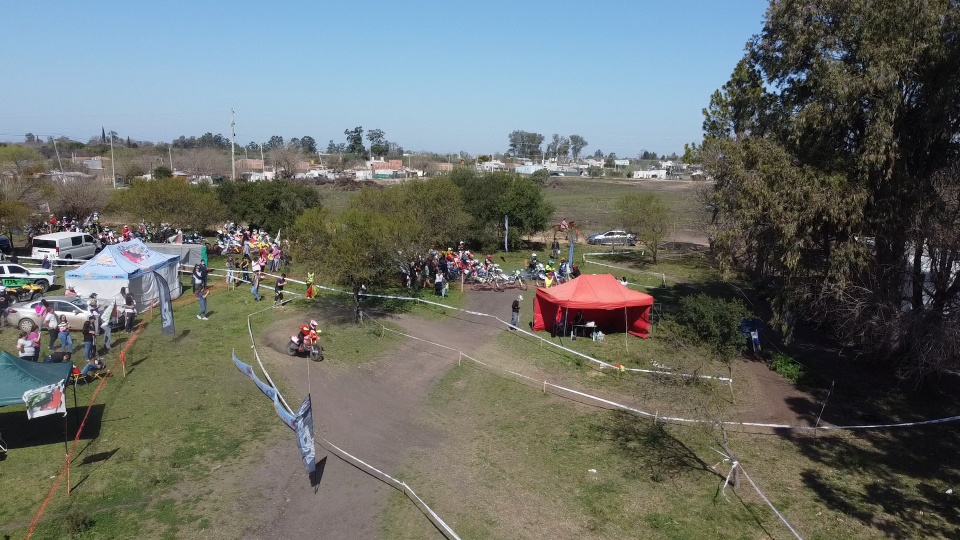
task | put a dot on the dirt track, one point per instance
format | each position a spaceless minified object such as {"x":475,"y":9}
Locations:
{"x":370,"y":412}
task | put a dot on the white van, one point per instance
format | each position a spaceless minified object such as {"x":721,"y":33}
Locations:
{"x":64,"y":245}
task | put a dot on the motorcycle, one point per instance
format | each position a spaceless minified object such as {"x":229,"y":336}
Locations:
{"x":310,"y":346}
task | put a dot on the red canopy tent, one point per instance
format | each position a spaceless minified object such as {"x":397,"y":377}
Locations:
{"x":599,"y":298}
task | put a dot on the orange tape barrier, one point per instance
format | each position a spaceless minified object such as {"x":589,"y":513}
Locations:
{"x":65,"y":469}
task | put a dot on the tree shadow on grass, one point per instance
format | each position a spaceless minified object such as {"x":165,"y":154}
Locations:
{"x":651,"y":448}
{"x":892,"y":479}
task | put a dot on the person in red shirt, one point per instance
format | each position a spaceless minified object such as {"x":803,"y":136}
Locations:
{"x":306,"y":330}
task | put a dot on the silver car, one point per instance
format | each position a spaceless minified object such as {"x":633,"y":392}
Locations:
{"x":24,"y":314}
{"x":613,"y":237}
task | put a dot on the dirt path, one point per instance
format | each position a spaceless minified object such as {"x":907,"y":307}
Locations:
{"x":368,"y":411}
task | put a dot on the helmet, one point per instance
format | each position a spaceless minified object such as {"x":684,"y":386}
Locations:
{"x":313,"y":325}
{"x":534,"y":255}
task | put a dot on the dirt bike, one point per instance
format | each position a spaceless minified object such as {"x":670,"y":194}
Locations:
{"x":312,"y":347}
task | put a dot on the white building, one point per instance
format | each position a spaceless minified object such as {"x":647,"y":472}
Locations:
{"x":658,"y":174}
{"x":529,"y":168}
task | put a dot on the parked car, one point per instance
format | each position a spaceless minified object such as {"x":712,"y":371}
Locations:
{"x":14,"y":275}
{"x":613,"y":237}
{"x":24,"y":314}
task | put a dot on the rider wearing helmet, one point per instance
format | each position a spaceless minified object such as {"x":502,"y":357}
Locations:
{"x":533,"y":261}
{"x":306,"y":330}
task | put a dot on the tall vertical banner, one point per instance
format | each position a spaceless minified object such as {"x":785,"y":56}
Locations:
{"x":304,"y":428}
{"x":506,"y":232}
{"x":570,"y":257}
{"x":166,"y":306}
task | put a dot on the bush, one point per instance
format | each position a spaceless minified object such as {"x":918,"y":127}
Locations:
{"x":714,"y":323}
{"x":787,"y":367}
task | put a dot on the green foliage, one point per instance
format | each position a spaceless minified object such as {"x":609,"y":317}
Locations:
{"x":715,"y":323}
{"x":540,"y":177}
{"x":595,"y":171}
{"x":489,"y":197}
{"x":577,"y":144}
{"x":850,"y":100}
{"x":525,"y":144}
{"x":21,"y":157}
{"x":162,"y":172}
{"x":787,"y":367}
{"x":355,"y":141}
{"x":271,"y":205}
{"x":170,"y":200}
{"x":647,"y":216}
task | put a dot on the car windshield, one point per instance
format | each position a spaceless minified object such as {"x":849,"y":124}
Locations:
{"x":78,"y":302}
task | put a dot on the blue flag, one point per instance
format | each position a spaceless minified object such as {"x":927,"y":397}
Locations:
{"x":247,"y":370}
{"x":304,"y":423}
{"x":166,"y":306}
{"x":286,"y":417}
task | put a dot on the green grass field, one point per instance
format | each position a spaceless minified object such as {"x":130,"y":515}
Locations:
{"x":164,"y":450}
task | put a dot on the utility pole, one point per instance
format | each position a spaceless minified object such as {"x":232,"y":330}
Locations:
{"x":113,"y":163}
{"x":263,"y":164}
{"x":170,"y":155}
{"x":233,"y":161}
{"x":58,"y":160}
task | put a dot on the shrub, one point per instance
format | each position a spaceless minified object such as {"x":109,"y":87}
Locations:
{"x":787,"y":367}
{"x":714,"y":323}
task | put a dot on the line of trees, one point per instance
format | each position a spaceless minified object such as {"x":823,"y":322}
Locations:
{"x":382,"y":228}
{"x":835,"y":147}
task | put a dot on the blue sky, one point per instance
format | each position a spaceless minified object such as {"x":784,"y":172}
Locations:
{"x":438,"y":76}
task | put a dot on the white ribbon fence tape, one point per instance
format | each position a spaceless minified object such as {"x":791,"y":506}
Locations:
{"x":766,"y":500}
{"x":407,"y":490}
{"x":438,"y":522}
{"x":673,"y":419}
{"x":661,"y":275}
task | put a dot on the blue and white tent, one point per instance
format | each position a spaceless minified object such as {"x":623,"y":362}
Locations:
{"x":129,"y":264}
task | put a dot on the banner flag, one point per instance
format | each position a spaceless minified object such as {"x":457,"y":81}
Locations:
{"x":247,"y":370}
{"x":304,"y":423}
{"x":286,"y":417}
{"x":166,"y":306}
{"x":45,"y":400}
{"x":506,"y":232}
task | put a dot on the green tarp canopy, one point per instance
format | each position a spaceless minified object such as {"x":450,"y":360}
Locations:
{"x":17,"y":376}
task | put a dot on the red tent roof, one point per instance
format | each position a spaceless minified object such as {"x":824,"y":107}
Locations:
{"x":594,"y":291}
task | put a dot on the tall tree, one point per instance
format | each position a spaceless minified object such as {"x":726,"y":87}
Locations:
{"x":524,"y":144}
{"x":647,"y":216}
{"x":834,"y":147}
{"x":308,"y":144}
{"x":355,"y":141}
{"x":577,"y":144}
{"x":378,"y":142}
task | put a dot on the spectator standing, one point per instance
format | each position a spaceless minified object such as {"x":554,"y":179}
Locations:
{"x":245,"y":268}
{"x":105,"y":325}
{"x":25,"y":346}
{"x":89,"y":336}
{"x":34,"y":336}
{"x":46,"y":262}
{"x":203,"y":272}
{"x":230,"y":269}
{"x":129,"y":312}
{"x":92,"y":305}
{"x":515,"y":312}
{"x":51,"y":323}
{"x":202,"y":294}
{"x":281,"y":282}
{"x":438,"y":284}
{"x":196,"y":278}
{"x":4,"y":306}
{"x":255,"y":287}
{"x":556,"y":248}
{"x":63,"y":334}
